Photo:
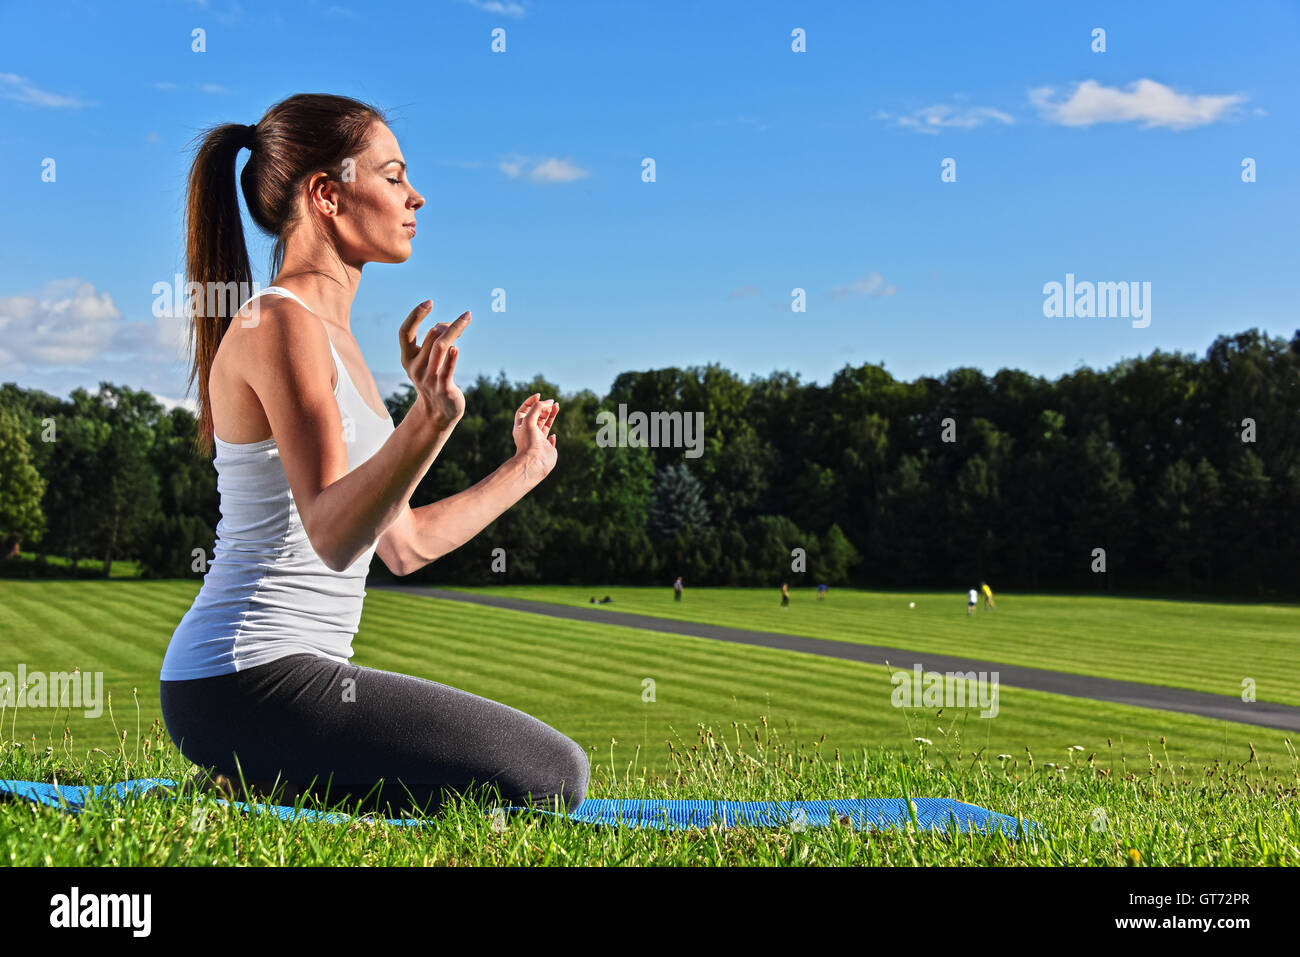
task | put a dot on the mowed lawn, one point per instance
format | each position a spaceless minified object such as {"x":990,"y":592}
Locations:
{"x":614,"y":690}
{"x":1196,"y":645}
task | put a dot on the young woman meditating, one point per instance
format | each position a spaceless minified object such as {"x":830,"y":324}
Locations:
{"x":257,"y":683}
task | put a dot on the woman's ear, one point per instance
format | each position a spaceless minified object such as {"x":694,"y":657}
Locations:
{"x":323,"y":194}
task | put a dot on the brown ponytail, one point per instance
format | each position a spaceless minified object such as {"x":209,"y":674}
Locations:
{"x":296,"y":138}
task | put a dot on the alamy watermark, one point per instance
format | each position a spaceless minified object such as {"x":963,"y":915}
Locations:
{"x":75,"y":909}
{"x":55,"y":689}
{"x":658,"y":430}
{"x":1100,"y":300}
{"x":220,"y":300}
{"x":952,"y":689}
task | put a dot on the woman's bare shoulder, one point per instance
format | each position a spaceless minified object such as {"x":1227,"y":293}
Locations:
{"x":278,"y":336}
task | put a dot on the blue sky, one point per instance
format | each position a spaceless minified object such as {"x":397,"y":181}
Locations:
{"x":775,"y":170}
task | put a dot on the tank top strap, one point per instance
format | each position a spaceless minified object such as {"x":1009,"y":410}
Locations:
{"x":279,"y":291}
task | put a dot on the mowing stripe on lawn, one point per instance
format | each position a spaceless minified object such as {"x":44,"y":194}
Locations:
{"x":1222,"y":707}
{"x":1201,"y":646}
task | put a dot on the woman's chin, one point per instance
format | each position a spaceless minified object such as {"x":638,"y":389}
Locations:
{"x":399,"y":254}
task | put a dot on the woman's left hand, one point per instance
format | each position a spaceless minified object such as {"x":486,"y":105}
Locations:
{"x":534,"y":443}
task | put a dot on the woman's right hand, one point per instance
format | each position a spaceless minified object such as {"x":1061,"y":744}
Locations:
{"x":430,"y":366}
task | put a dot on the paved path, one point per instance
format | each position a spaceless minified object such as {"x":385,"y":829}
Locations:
{"x":1225,"y":707}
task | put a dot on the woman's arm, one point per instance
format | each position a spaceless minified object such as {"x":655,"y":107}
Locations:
{"x":425,"y":534}
{"x":343,"y":512}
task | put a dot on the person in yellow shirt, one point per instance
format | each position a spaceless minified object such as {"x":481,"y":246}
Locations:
{"x":988,"y":596}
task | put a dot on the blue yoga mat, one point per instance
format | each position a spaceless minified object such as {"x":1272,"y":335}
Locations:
{"x":937,"y":814}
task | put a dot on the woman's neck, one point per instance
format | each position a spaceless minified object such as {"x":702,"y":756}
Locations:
{"x":328,"y":293}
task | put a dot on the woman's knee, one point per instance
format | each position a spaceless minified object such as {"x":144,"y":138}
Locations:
{"x":560,"y":783}
{"x":576,"y":773}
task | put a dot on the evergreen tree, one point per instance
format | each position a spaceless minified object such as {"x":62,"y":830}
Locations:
{"x":678,"y":503}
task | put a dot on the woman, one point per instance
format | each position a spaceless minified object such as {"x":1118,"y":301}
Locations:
{"x":314,"y":479}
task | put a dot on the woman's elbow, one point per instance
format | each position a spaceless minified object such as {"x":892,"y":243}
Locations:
{"x":333,"y":562}
{"x":402,"y":564}
{"x":326,"y":551}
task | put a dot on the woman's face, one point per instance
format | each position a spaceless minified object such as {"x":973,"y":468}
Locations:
{"x":374,"y":215}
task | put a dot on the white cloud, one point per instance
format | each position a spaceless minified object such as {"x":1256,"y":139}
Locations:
{"x":70,"y":323}
{"x":556,"y":171}
{"x":169,"y":86}
{"x":15,"y":87}
{"x":1146,"y":101}
{"x":935,"y":119}
{"x":191,"y":405}
{"x":873,"y":285}
{"x":548,"y":170}
{"x":505,"y":8}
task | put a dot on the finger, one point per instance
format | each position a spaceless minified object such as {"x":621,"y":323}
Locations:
{"x":444,"y":340}
{"x":417,"y":359}
{"x":413,"y":319}
{"x":432,"y":355}
{"x":534,"y":412}
{"x":451,"y":331}
{"x":552,"y":441}
{"x":524,"y":406}
{"x":420,"y":361}
{"x":410,"y":326}
{"x":429,"y":358}
{"x":452,"y":355}
{"x":431,"y":339}
{"x":549,"y":418}
{"x":544,"y":415}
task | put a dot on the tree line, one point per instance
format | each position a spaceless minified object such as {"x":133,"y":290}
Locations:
{"x":1168,"y":473}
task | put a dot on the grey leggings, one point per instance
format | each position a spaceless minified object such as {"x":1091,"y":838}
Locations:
{"x":392,"y":742}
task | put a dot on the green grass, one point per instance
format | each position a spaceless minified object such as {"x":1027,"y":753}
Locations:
{"x":1236,"y":814}
{"x":586,"y":679}
{"x":1179,"y":644}
{"x":743,"y":723}
{"x":86,"y":567}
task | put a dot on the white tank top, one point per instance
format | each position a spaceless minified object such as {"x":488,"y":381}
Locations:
{"x":266,"y":593}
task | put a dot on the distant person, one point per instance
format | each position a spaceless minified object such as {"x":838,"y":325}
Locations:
{"x":785,"y":594}
{"x":821,"y":592}
{"x":606,"y":600}
{"x":989,"y":603}
{"x":677,"y":589}
{"x":970,"y":602}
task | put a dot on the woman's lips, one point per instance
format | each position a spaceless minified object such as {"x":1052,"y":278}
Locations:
{"x":411,"y":227}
